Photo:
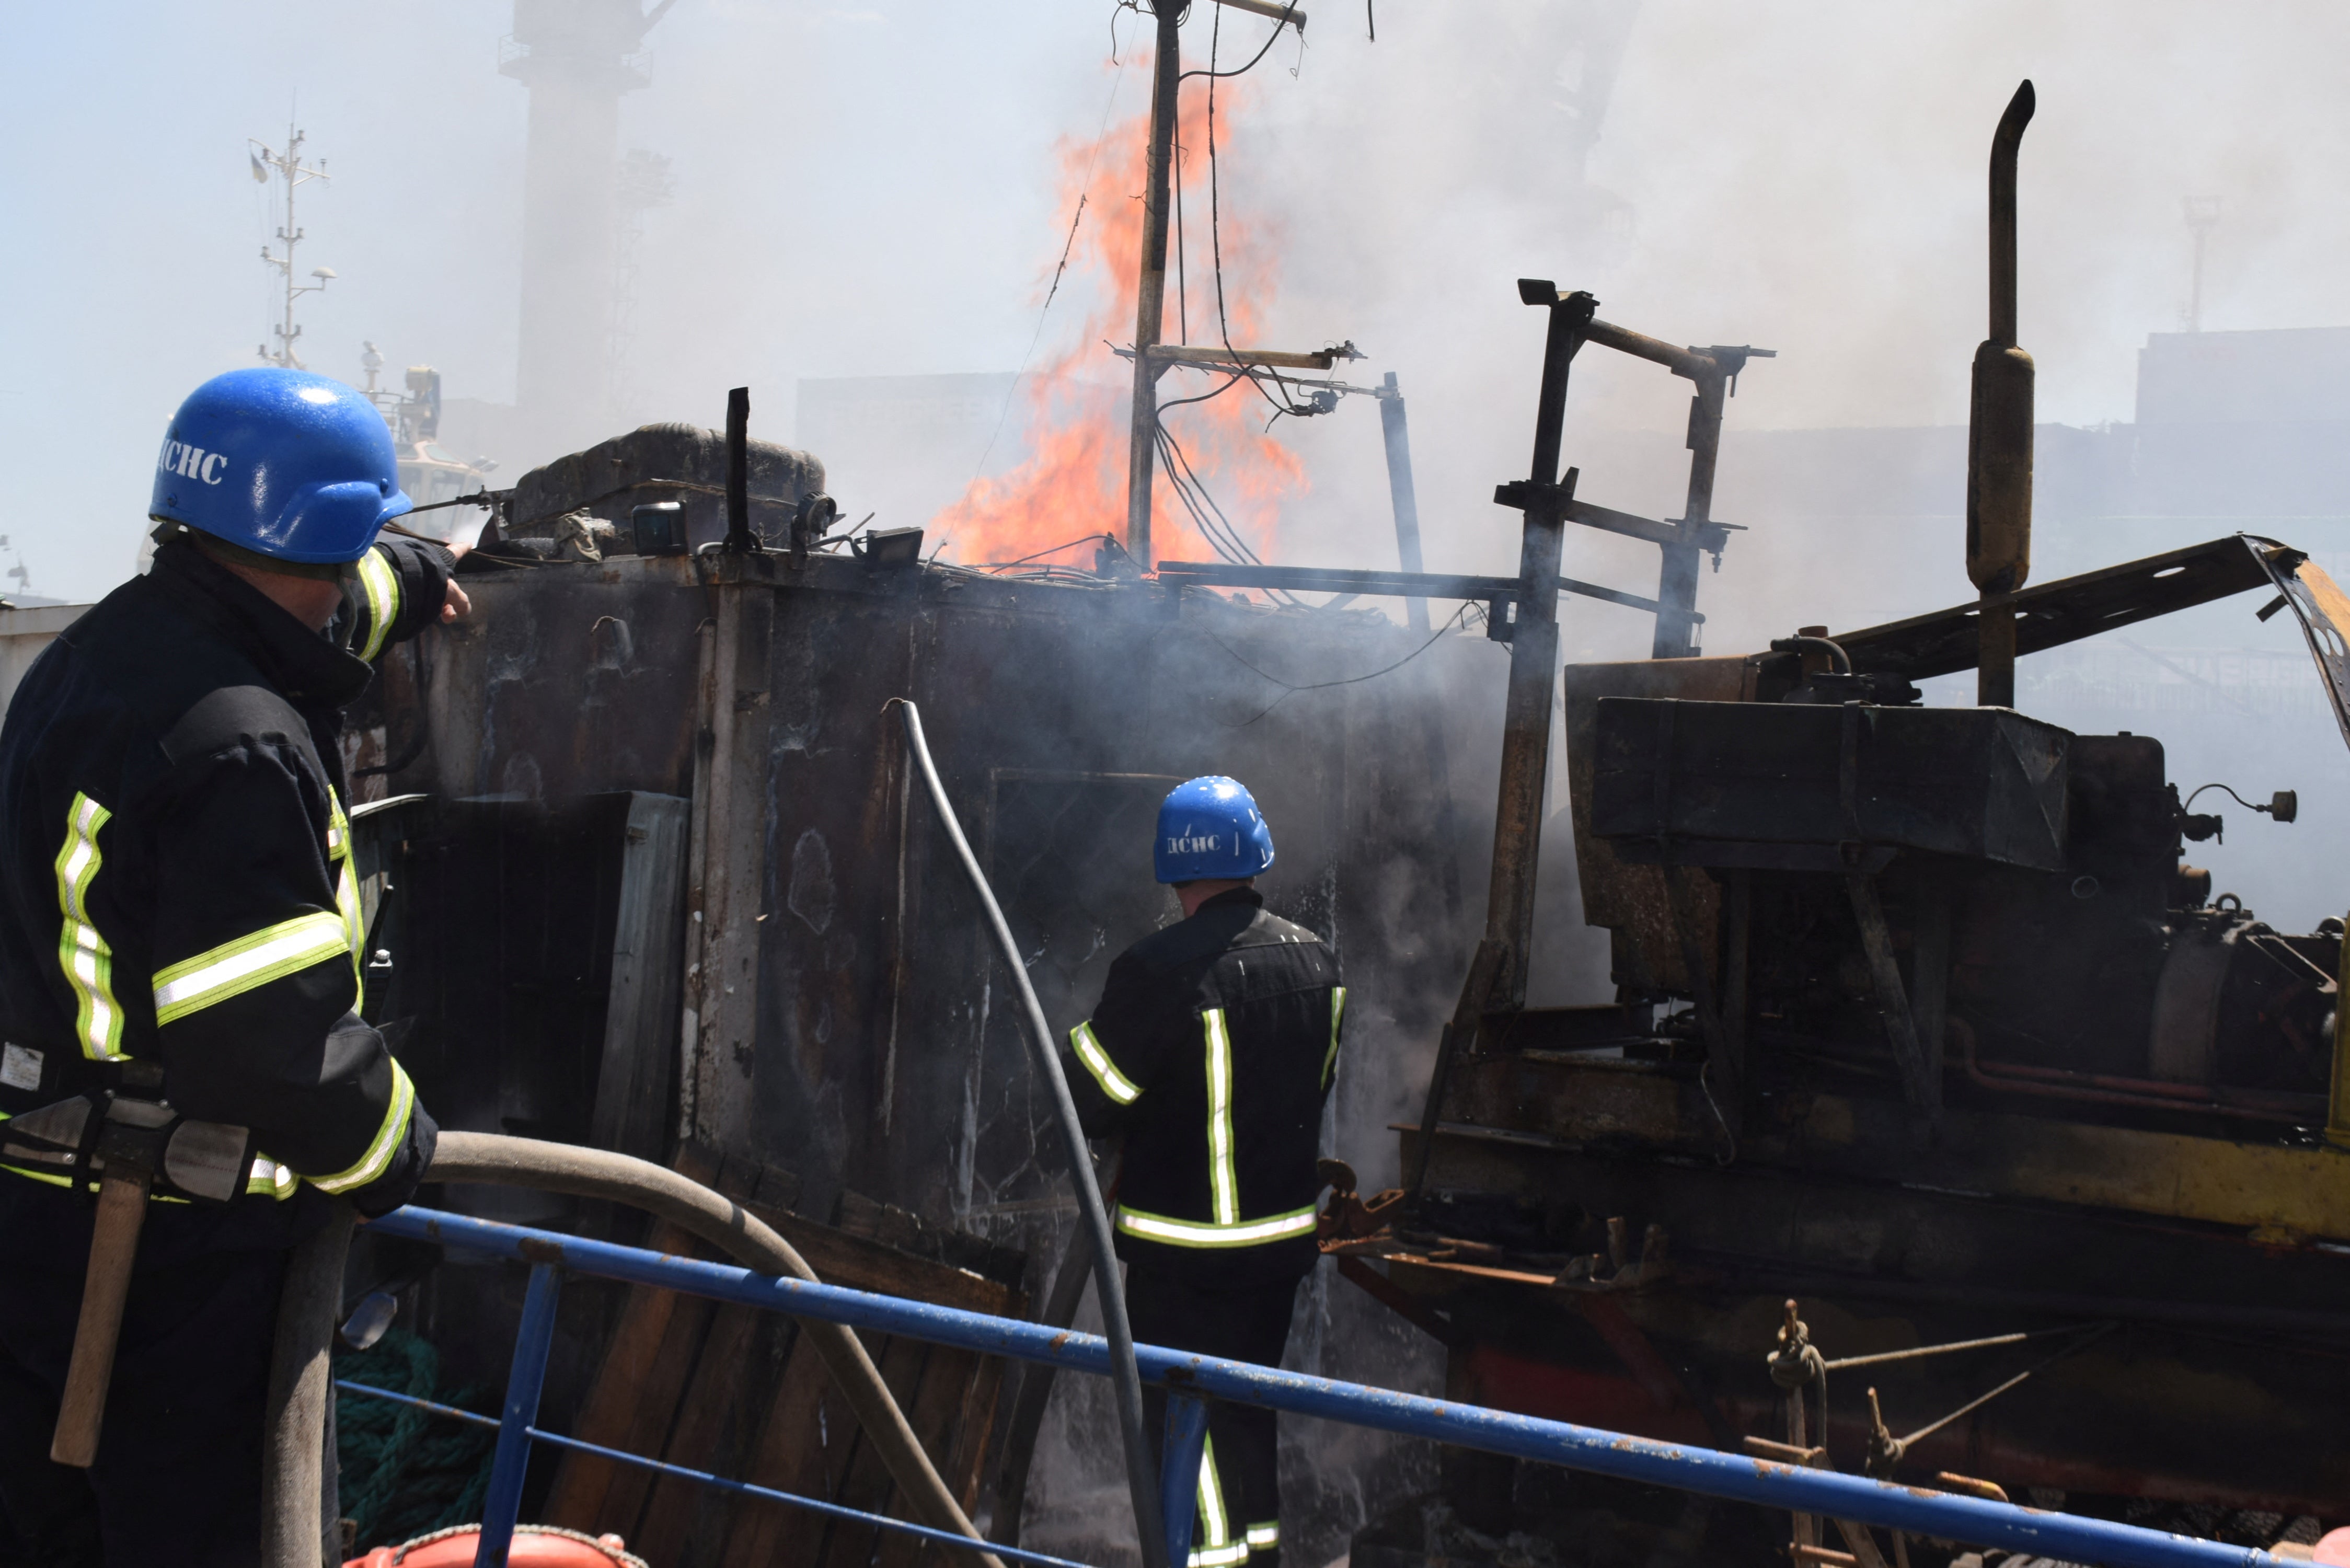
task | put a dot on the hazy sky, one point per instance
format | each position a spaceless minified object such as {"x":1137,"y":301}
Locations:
{"x":869,"y":189}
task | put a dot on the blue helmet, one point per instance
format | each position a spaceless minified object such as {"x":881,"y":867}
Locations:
{"x":282,"y":462}
{"x":1211,"y":829}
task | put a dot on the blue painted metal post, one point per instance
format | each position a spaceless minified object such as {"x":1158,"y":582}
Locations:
{"x":1178,"y":1472}
{"x":524,"y":1378}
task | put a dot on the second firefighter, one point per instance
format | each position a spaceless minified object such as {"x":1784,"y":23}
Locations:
{"x":1210,"y":1053}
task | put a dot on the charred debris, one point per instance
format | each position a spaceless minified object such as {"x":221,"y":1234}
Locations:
{"x":1934,"y":1078}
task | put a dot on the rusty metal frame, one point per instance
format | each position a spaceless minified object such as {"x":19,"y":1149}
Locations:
{"x":2070,"y":608}
{"x":1714,"y":371}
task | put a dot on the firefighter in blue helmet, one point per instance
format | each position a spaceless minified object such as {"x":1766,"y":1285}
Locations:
{"x":1212,"y":1049}
{"x":180,"y":935}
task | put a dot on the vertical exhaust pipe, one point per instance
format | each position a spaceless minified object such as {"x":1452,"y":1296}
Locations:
{"x":740,"y":539}
{"x":1999,"y":432}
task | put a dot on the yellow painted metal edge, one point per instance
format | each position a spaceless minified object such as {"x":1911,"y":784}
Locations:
{"x":2288,"y":1193}
{"x":2284,"y":1195}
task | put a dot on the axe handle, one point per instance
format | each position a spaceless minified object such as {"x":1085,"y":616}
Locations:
{"x":113,"y":1245}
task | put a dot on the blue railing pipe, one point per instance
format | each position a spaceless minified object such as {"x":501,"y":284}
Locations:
{"x":533,"y":1341}
{"x":1178,"y":1472}
{"x":1735,"y":1477}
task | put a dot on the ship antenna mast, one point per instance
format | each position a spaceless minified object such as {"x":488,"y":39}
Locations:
{"x":288,"y":166}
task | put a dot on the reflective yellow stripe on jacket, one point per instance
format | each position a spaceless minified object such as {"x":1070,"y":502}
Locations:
{"x":1223,"y":1175}
{"x":1114,"y":1083}
{"x":82,"y":954}
{"x":380,"y":585}
{"x":271,"y":1178}
{"x":386,"y":1143}
{"x":274,"y":951}
{"x":229,"y":969}
{"x":1192,"y":1233}
{"x":234,"y":967}
{"x":1227,"y":1229}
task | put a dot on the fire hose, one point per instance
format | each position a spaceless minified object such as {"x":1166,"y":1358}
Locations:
{"x":1126,"y":1378}
{"x":295,"y":1430}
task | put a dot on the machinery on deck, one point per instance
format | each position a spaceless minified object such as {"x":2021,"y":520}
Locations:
{"x":1922,"y":1023}
{"x":1923,"y":1020}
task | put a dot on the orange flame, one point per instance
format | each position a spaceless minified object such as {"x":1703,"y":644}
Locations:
{"x":1072,"y":485}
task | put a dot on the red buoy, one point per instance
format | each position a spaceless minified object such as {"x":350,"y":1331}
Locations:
{"x":535,"y":1546}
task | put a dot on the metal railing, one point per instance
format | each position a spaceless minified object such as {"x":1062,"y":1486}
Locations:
{"x":1191,"y":1382}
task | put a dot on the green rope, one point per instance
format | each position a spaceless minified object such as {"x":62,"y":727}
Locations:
{"x":406,"y":1472}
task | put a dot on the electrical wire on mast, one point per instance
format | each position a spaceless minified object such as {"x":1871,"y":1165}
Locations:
{"x":288,"y":166}
{"x":1151,"y":361}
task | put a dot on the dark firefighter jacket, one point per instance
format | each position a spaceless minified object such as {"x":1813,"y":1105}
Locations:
{"x":175,"y":868}
{"x":1213,"y":1048}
